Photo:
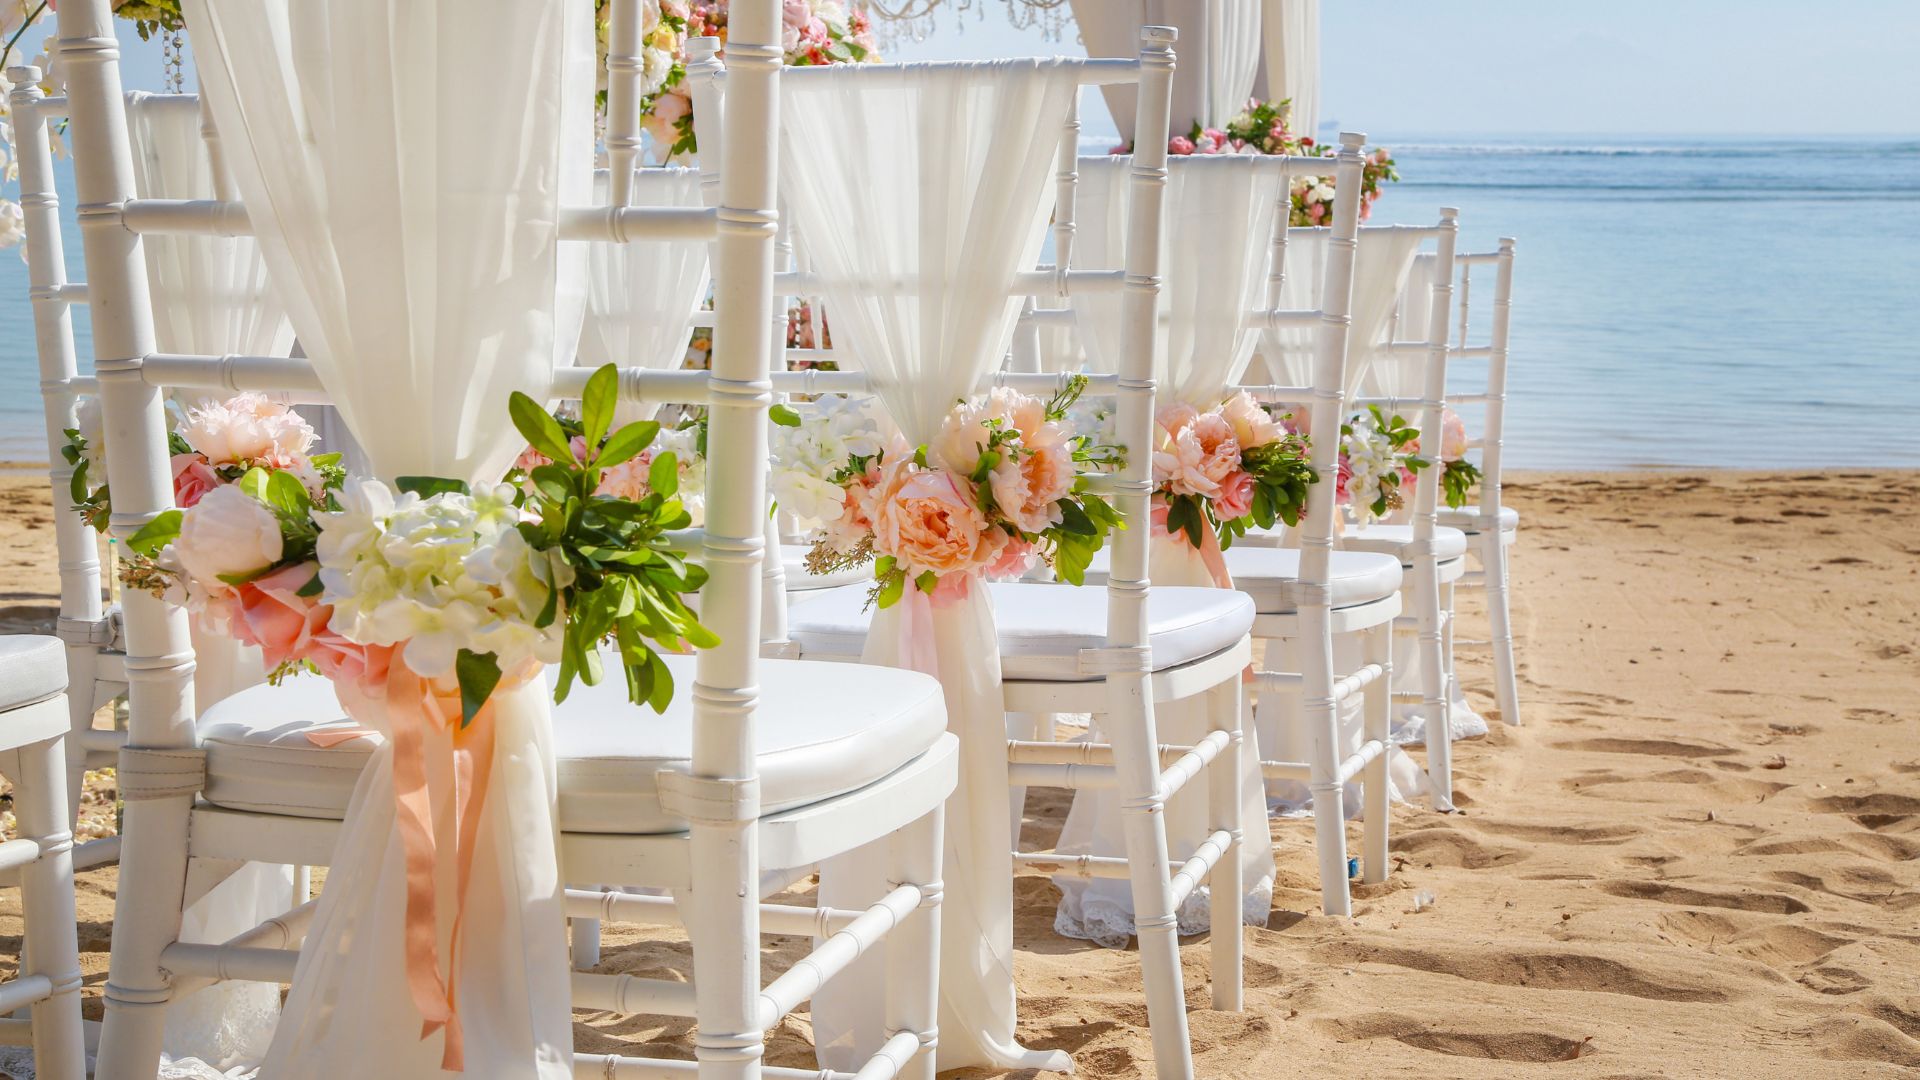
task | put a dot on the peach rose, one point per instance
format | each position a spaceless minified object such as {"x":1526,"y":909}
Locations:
{"x":924,"y":520}
{"x":1175,"y":417}
{"x":1251,"y":425}
{"x":1453,"y":436}
{"x":1236,"y":496}
{"x":1216,"y":439}
{"x":627,"y":480}
{"x":1014,"y":558}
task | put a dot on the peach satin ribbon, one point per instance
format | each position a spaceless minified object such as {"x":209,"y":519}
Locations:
{"x":418,"y":708}
{"x":1209,"y":549}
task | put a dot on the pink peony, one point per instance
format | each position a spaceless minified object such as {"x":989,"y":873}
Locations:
{"x":1251,"y":425}
{"x":1027,"y":491}
{"x":192,"y":479}
{"x":1180,"y":146}
{"x":1236,"y":496}
{"x":627,"y":480}
{"x":1172,"y":418}
{"x":248,"y":429}
{"x":925,"y":520}
{"x":1216,"y":439}
{"x":1342,"y":496}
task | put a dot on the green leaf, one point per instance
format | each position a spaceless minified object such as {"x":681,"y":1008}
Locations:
{"x":254,"y":483}
{"x":891,"y":586}
{"x":156,"y":534}
{"x":428,"y":486}
{"x":78,"y":488}
{"x":539,"y":428}
{"x":553,"y":482}
{"x":243,"y":578}
{"x":478,"y":673}
{"x":1074,"y":519}
{"x":784,"y":415}
{"x":626,"y":443}
{"x":311,"y":588}
{"x":597,"y":403}
{"x":663,"y":476}
{"x":927,"y":581}
{"x":288,"y":495}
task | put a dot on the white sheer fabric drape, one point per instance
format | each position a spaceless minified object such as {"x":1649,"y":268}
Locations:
{"x":404,"y":167}
{"x":1290,"y":40}
{"x":210,"y":296}
{"x":640,"y":295}
{"x":1217,"y":231}
{"x":931,"y":193}
{"x":1219,"y":51}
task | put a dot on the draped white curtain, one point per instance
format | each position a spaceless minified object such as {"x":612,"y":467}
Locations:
{"x":640,"y":295}
{"x":210,"y":296}
{"x":1219,"y":52}
{"x":933,"y":192}
{"x":1216,"y":239}
{"x":404,"y":166}
{"x":1381,"y":263}
{"x":1290,"y":39}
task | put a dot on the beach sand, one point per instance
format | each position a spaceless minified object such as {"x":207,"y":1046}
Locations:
{"x":1697,"y":859}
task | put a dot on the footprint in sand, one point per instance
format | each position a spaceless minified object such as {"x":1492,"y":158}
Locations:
{"x":1655,"y":747}
{"x":1532,"y":1046}
{"x":1877,"y":811}
{"x":1534,"y":969}
{"x":1564,"y":834}
{"x":1450,"y":847}
{"x":1666,"y":893}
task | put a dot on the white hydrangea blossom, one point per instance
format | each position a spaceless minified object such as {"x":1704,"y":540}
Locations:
{"x":1371,"y":457}
{"x":443,"y":573}
{"x":684,"y":444}
{"x":832,"y":429}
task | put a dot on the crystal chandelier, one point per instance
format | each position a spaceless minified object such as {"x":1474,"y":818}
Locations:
{"x":916,"y":19}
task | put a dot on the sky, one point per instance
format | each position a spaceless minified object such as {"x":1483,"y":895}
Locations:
{"x":1723,"y":67}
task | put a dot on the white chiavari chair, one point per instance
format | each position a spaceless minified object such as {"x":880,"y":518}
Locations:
{"x":743,"y":772}
{"x":1120,"y":652}
{"x":1358,"y":589}
{"x":1410,"y":377}
{"x":1491,"y":525}
{"x":33,"y":731}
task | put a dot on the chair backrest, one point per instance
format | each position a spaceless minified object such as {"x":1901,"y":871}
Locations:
{"x":1493,"y":397}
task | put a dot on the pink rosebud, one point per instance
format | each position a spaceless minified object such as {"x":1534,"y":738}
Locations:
{"x":192,"y":479}
{"x":1236,"y":496}
{"x":1180,"y":146}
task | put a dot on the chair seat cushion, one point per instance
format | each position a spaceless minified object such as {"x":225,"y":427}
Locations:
{"x":1468,"y":519}
{"x":1393,"y":540}
{"x":33,"y":668}
{"x":1268,"y":575}
{"x":1043,"y":628}
{"x":821,"y":730}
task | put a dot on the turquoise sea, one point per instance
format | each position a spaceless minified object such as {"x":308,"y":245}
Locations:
{"x":1679,"y":301}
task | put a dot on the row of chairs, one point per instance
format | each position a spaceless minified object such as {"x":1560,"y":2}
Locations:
{"x":632,"y":818}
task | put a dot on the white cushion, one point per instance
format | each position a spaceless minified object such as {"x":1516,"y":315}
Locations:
{"x":33,"y":668}
{"x":1269,"y":574}
{"x":1393,"y":540}
{"x":822,"y":730}
{"x":1043,"y":628}
{"x":1467,"y":519}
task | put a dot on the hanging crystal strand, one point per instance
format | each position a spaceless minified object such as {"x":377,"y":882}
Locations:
{"x":173,"y":48}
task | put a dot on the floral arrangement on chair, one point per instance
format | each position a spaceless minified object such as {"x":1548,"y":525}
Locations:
{"x":813,"y":32}
{"x":632,"y":479}
{"x":1264,"y":127}
{"x":1378,"y":459}
{"x":459,"y":588}
{"x":211,"y":445}
{"x":1457,"y":475}
{"x":997,"y":490}
{"x":1218,"y":473}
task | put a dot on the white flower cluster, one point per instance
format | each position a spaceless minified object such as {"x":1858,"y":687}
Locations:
{"x":1094,"y":419}
{"x":441,"y":573}
{"x":1370,"y":456}
{"x":832,"y":429}
{"x":684,"y":444}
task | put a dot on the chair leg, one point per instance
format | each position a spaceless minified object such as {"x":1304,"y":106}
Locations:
{"x":913,"y":948}
{"x":584,"y":936}
{"x":146,"y":919}
{"x":1322,"y":717}
{"x":1227,"y":883}
{"x":1506,"y":684}
{"x":1436,"y":703}
{"x":47,"y":904}
{"x":1377,"y":711}
{"x":1447,"y":606}
{"x":1137,"y":762}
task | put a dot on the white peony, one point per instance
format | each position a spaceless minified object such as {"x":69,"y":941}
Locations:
{"x":228,"y":532}
{"x":90,"y":421}
{"x":13,"y":224}
{"x":813,"y":500}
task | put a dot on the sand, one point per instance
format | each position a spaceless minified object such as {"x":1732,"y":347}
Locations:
{"x":1698,"y":859}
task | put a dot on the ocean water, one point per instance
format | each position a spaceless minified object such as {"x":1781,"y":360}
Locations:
{"x":1713,"y":301}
